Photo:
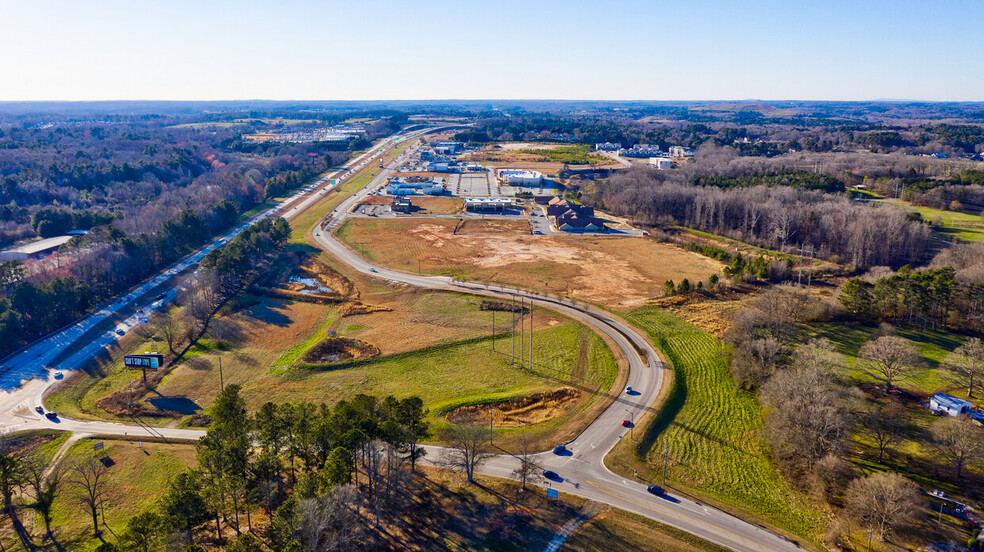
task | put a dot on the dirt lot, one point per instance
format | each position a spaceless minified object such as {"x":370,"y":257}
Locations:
{"x":423,"y":205}
{"x":619,"y":272}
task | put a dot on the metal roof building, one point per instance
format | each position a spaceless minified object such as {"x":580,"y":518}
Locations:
{"x":941,"y":402}
{"x":34,"y":250}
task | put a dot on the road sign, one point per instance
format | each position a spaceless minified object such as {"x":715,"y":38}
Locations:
{"x":552,"y":493}
{"x":97,"y":446}
{"x":143,"y":362}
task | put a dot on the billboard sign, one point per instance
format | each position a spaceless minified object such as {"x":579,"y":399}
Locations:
{"x":144,"y":362}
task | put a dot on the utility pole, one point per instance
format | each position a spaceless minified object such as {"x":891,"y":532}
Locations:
{"x":221,"y":380}
{"x":531,"y":335}
{"x":666,"y":461}
{"x":512,"y":334}
{"x":522,"y":328}
{"x":491,"y":428}
{"x":493,"y":328}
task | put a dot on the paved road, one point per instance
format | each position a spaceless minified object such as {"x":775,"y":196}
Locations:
{"x":582,"y":471}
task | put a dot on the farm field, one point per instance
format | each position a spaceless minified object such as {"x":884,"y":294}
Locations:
{"x":711,"y":430}
{"x":618,"y":272}
{"x":136,"y":478}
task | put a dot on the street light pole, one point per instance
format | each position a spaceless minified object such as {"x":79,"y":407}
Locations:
{"x":491,"y":429}
{"x":666,"y":461}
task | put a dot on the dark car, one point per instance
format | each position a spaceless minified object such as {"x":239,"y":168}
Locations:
{"x":559,"y":449}
{"x":120,"y":332}
{"x":39,"y":409}
{"x":550,"y":474}
{"x":51,"y":416}
{"x":655,"y":489}
{"x":626,"y":423}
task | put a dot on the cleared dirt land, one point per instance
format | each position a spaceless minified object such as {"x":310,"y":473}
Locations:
{"x":619,"y":272}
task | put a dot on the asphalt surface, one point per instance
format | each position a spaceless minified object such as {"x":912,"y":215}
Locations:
{"x":26,"y":377}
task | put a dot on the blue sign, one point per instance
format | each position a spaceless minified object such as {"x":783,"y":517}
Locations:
{"x":552,"y":493}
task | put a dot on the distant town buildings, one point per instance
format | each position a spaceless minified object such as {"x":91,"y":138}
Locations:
{"x":342,"y":132}
{"x":607,"y":146}
{"x":519,"y":177}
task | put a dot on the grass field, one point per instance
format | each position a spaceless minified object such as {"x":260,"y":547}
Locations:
{"x":711,"y":429}
{"x":966,"y":226}
{"x":618,"y":272}
{"x":135,"y":480}
{"x":616,"y":529}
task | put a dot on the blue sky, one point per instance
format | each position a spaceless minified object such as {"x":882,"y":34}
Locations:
{"x":506,"y":49}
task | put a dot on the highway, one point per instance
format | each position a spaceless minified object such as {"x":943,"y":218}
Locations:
{"x":581,"y":470}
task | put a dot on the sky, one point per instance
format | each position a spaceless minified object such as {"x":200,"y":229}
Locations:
{"x":504,"y":49}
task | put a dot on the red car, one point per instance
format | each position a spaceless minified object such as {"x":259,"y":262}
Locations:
{"x":626,"y":423}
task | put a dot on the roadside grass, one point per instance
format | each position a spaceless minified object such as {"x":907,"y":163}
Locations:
{"x":616,"y":529}
{"x":711,"y":430}
{"x":134,"y":481}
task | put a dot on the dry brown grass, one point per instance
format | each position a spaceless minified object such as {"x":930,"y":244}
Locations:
{"x":619,"y":272}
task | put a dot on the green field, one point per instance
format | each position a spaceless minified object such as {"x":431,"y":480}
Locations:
{"x":711,"y":429}
{"x":572,"y":155}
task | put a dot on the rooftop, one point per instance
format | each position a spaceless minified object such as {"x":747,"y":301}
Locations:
{"x":40,"y":245}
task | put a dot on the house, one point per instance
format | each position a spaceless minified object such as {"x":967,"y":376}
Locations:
{"x":661,"y":162}
{"x":941,"y":402}
{"x":641,"y":150}
{"x":680,"y":151}
{"x":573,"y":221}
{"x":401,"y":205}
{"x":487,"y":204}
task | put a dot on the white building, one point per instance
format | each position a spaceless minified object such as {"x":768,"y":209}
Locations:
{"x":519,"y":177}
{"x":941,"y":402}
{"x":661,"y":162}
{"x":680,"y":151}
{"x":487,"y":204}
{"x":34,"y":250}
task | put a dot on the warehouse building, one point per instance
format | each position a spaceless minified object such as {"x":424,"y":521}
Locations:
{"x":487,"y":204}
{"x":34,"y":250}
{"x":519,"y":177}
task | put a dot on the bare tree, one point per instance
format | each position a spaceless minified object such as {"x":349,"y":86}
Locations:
{"x":12,"y":478}
{"x":469,"y":448}
{"x":885,"y":501}
{"x":43,"y":485}
{"x":968,"y":360}
{"x":170,"y":329}
{"x":87,"y":477}
{"x":331,"y":522}
{"x":889,"y":359}
{"x":958,"y":441}
{"x":528,"y":471}
{"x":884,"y":427}
{"x":753,"y":361}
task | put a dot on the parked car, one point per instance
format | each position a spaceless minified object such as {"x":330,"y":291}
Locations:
{"x":655,"y":489}
{"x":59,"y":375}
{"x":559,"y":449}
{"x":551,"y":475}
{"x":120,"y":332}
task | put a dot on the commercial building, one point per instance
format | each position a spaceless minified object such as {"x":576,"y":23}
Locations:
{"x":415,"y":186}
{"x":661,"y":162}
{"x":519,"y":177}
{"x":574,"y":217}
{"x":941,"y":402}
{"x":401,"y":205}
{"x":447,"y":147}
{"x":34,"y":250}
{"x":487,"y":204}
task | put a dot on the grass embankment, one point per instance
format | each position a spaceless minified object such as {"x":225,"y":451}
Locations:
{"x":619,"y":530}
{"x":711,"y":429}
{"x":136,"y":478}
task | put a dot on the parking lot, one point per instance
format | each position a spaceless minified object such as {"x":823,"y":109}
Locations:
{"x":474,"y":185}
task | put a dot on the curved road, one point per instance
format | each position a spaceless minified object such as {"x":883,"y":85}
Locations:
{"x":582,"y":471}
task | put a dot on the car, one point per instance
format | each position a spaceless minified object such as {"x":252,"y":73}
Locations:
{"x":161,"y":296}
{"x":559,"y":449}
{"x":51,"y":416}
{"x":628,"y":390}
{"x":120,"y":332}
{"x":372,"y":270}
{"x":626,"y":423}
{"x":39,"y":409}
{"x":550,"y":474}
{"x":537,"y":233}
{"x":59,"y":375}
{"x":655,"y":489}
